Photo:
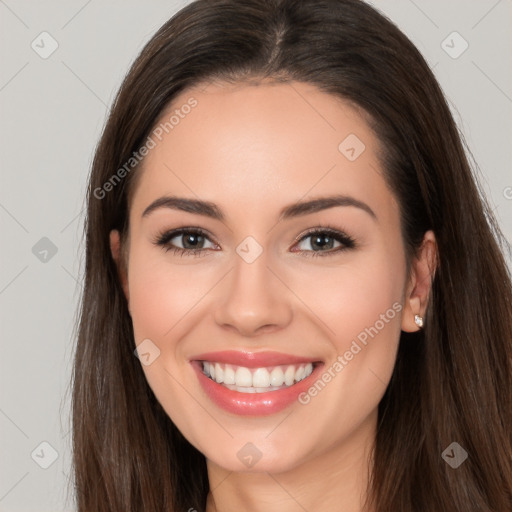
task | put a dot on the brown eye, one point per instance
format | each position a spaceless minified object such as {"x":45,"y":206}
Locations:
{"x":192,"y":241}
{"x":323,"y":242}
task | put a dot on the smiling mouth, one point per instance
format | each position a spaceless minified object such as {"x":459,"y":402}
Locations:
{"x":256,"y":380}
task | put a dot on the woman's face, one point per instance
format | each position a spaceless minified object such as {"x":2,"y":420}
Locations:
{"x":275,"y":294}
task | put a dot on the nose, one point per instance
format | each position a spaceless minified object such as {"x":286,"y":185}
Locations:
{"x":254,"y":299}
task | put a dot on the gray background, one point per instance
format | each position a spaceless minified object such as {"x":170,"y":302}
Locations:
{"x":52,"y":113}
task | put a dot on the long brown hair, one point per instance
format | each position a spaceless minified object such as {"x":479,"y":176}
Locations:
{"x":452,"y":381}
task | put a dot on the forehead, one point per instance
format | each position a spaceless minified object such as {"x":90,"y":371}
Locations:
{"x":267,"y":144}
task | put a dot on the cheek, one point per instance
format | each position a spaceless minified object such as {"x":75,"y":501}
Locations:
{"x":161,"y":294}
{"x":361,"y":311}
{"x":349,"y":299}
{"x":161,"y":297}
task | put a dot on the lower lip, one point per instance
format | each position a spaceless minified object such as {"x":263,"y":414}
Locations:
{"x":253,"y":404}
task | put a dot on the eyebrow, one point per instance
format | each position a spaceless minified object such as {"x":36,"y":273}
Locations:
{"x":298,"y":209}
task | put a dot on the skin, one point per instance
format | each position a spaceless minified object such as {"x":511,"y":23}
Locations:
{"x":252,"y":150}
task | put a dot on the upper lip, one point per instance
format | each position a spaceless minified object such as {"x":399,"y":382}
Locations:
{"x":253,"y":359}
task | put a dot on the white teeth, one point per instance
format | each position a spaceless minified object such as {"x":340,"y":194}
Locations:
{"x":256,"y":380}
{"x":219,"y":373}
{"x":277,"y":377}
{"x":243,"y":377}
{"x":229,"y":375}
{"x":261,"y":378}
{"x":289,"y":375}
{"x":252,"y":390}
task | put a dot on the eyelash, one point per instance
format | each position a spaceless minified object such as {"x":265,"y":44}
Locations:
{"x":348,"y":242}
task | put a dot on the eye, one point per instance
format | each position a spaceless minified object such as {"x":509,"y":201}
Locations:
{"x":192,"y":241}
{"x":326,"y":238}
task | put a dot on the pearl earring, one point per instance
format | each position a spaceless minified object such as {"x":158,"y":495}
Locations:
{"x":418,"y":320}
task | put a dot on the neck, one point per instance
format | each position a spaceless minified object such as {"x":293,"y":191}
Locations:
{"x":336,"y":479}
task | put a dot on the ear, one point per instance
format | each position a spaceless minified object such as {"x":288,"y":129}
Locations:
{"x":423,"y":268}
{"x":115,"y":249}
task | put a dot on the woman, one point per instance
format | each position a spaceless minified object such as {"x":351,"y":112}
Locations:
{"x":295,"y":297}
